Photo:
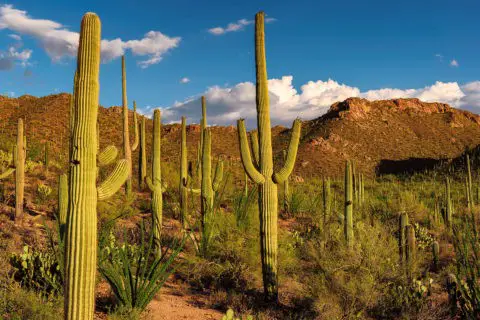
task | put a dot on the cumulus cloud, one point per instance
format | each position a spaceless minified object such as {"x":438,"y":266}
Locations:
{"x":13,"y":56}
{"x":226,"y":105}
{"x":454,"y":63}
{"x":236,"y":26}
{"x":184,"y":80}
{"x":59,"y":42}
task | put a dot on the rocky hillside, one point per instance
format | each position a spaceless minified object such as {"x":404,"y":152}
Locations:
{"x":381,"y":136}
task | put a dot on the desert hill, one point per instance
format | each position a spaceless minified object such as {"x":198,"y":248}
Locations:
{"x":380,"y":136}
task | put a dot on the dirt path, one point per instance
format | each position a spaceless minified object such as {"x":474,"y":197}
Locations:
{"x":174,"y":303}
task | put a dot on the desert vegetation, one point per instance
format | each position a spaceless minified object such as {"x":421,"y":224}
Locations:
{"x":236,"y":235}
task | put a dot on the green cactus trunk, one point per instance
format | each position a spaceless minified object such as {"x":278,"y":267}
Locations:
{"x":183,"y":190}
{"x":348,"y":217}
{"x":81,"y":221}
{"x":155,"y":182}
{"x":245,"y":190}
{"x":287,"y":197}
{"x":411,"y":250}
{"x":402,"y":236}
{"x":327,"y":201}
{"x":142,"y":165}
{"x":20,"y":170}
{"x":471,"y":203}
{"x":263,"y":173}
{"x":449,"y":209}
{"x":81,"y":235}
{"x":62,"y":202}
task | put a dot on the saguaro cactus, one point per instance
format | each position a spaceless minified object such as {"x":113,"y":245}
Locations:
{"x":127,"y":149}
{"x":154,"y":182}
{"x":263,"y":173}
{"x":348,"y":221}
{"x":327,"y":200}
{"x":402,"y":236}
{"x":448,"y":204}
{"x":18,"y":167}
{"x":81,"y":222}
{"x":142,"y":159}
{"x":435,"y":253}
{"x":469,"y":184}
{"x":287,"y":197}
{"x":183,"y":174}
{"x":411,"y":250}
{"x":209,"y":186}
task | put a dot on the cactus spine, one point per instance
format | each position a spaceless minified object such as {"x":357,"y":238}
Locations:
{"x":402,"y":236}
{"x":81,"y":222}
{"x":449,"y":209}
{"x":263,"y":173}
{"x":348,"y":221}
{"x":127,"y":149}
{"x":327,"y":200}
{"x":286,"y":189}
{"x":142,"y":166}
{"x":154,"y":182}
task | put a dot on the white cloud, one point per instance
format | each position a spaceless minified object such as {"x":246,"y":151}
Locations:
{"x":185,"y":80}
{"x":59,"y":42}
{"x":236,"y":26}
{"x":13,"y":56}
{"x":454,"y":63}
{"x":226,"y":105}
{"x":15,"y":37}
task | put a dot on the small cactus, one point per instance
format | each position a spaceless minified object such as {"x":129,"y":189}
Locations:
{"x":402,"y":237}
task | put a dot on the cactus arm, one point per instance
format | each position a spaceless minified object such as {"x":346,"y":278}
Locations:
{"x":254,"y":140}
{"x":114,"y":181}
{"x":7,"y":173}
{"x":107,"y":156}
{"x":250,"y":169}
{"x":218,"y":175}
{"x":150,"y":184}
{"x":287,"y":169}
{"x":135,"y":125}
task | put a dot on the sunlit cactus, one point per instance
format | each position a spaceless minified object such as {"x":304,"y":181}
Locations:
{"x":154,"y":182}
{"x":402,"y":236}
{"x":262,"y":172}
{"x":348,"y":216}
{"x":127,"y":148}
{"x":62,"y":202}
{"x":81,"y":221}
{"x":142,"y":159}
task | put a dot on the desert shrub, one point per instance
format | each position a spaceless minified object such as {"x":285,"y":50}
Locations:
{"x":423,"y":239}
{"x":243,"y":207}
{"x":467,"y":252}
{"x":38,"y":270}
{"x":6,"y":159}
{"x":43,"y":191}
{"x":350,"y":281}
{"x":31,"y":165}
{"x":136,"y":272}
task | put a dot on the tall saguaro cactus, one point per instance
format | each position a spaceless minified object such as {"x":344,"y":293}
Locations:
{"x":183,"y":175}
{"x":448,"y":204}
{"x":142,"y":159}
{"x":287,"y":197}
{"x":154,"y":182}
{"x":348,"y":219}
{"x":262,"y":172}
{"x":19,"y":155}
{"x":127,"y":149}
{"x":209,"y":187}
{"x":81,"y":221}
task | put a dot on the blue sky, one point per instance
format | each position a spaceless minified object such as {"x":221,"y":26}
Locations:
{"x":424,"y":49}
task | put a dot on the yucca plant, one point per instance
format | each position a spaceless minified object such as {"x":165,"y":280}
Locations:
{"x":137,"y":272}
